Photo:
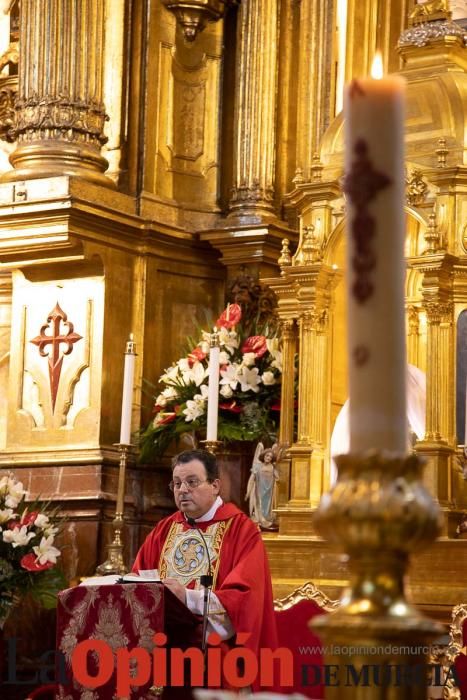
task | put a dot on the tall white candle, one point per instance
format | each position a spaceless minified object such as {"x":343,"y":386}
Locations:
{"x":127,"y":397}
{"x":374,"y":185}
{"x":213,"y":389}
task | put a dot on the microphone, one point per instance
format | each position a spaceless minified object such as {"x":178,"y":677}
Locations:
{"x":206,"y":580}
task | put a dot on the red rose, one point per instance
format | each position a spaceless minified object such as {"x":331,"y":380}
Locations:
{"x":30,"y":563}
{"x":156,"y":409}
{"x":233,"y":407}
{"x":196,"y":355}
{"x":276,"y":406}
{"x":13,"y":524}
{"x":256,"y":344}
{"x":229,"y":317}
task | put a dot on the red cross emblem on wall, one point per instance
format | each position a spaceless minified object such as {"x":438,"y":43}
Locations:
{"x":56,"y":318}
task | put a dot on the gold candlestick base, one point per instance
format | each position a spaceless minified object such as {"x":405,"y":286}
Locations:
{"x":378,"y":512}
{"x":212,"y":446}
{"x":114,"y":563}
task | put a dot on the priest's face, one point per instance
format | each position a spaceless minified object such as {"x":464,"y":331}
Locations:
{"x":193,"y":494}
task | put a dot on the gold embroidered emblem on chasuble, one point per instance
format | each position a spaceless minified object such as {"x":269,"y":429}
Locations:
{"x":184,"y":556}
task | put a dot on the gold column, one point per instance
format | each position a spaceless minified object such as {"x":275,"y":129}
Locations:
{"x":5,"y":327}
{"x":255,"y":110}
{"x":289,"y":338}
{"x":315,"y":80}
{"x":286,"y":428}
{"x":438,"y":444}
{"x":60,"y":114}
{"x":308,"y":454}
{"x":434,"y":312}
{"x":371,"y":26}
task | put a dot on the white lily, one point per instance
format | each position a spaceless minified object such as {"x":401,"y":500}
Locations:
{"x":183,"y":364}
{"x":6,"y":514}
{"x":193,"y":410}
{"x":195,"y":374}
{"x":19,"y":537}
{"x":204,"y":393}
{"x":42,"y":521}
{"x":45,"y":551}
{"x":171,"y":374}
{"x":226,"y":391}
{"x":224,"y":358}
{"x":230,"y":376}
{"x":228,"y":339}
{"x":161,"y":401}
{"x":249,"y":379}
{"x":12,"y":490}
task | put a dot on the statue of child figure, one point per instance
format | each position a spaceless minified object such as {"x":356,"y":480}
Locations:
{"x":261,"y":485}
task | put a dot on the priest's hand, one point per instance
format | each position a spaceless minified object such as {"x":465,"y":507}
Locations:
{"x":176,"y":588}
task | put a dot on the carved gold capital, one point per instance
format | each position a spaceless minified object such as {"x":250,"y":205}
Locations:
{"x":253,"y":195}
{"x":413,"y":319}
{"x":315,"y":320}
{"x":58,"y":118}
{"x":287,"y":327}
{"x":438,"y":312}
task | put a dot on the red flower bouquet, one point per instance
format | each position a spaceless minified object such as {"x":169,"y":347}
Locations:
{"x":28,"y":556}
{"x":249,"y":388}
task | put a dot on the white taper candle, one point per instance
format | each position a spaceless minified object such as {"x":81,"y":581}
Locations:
{"x":374,"y":184}
{"x":213,"y":388}
{"x":127,"y":397}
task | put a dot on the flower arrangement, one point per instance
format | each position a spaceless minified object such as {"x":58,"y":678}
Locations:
{"x":249,"y":388}
{"x":28,"y":556}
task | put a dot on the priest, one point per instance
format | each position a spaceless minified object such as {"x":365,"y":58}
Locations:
{"x":209,"y":537}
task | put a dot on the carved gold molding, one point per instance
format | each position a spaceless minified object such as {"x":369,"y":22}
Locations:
{"x":309,"y":591}
{"x":416,"y":189}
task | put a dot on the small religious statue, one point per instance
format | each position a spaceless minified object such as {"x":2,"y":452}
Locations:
{"x":261,"y":485}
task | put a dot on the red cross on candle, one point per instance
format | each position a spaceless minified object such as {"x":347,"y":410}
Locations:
{"x":55,"y":319}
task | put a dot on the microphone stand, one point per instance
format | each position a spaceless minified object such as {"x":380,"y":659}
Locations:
{"x":206,"y":581}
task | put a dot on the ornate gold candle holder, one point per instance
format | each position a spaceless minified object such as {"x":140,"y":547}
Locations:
{"x":211,"y":445}
{"x":114,"y":563}
{"x":378,"y":513}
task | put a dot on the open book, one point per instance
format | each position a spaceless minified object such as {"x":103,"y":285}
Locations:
{"x":149,"y":576}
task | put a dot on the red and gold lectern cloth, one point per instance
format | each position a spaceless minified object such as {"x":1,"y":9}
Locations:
{"x":123,"y":616}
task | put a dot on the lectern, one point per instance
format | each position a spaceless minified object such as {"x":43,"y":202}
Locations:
{"x":98,"y":625}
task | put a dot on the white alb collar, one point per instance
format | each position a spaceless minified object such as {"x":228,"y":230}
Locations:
{"x":211,"y":512}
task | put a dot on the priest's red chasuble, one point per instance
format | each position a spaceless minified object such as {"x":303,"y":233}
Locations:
{"x":242,"y":581}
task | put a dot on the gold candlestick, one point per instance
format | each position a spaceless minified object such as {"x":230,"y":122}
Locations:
{"x":114,"y":563}
{"x":212,"y":446}
{"x":378,"y":512}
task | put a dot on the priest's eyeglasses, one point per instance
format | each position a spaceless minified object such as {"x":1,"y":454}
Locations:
{"x":192,"y":483}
